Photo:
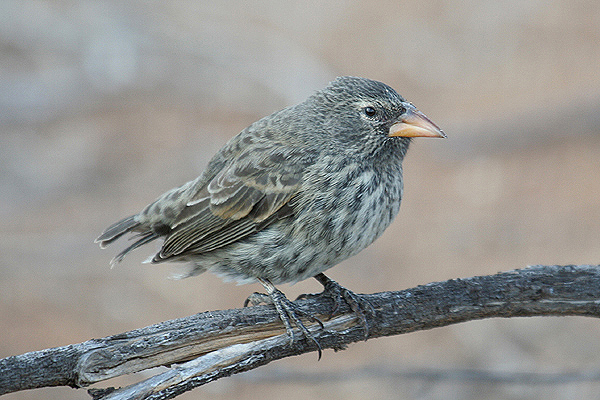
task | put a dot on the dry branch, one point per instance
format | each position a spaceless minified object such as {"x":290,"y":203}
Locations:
{"x":212,"y":345}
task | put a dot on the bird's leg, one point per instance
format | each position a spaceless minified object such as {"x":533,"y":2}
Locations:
{"x":359,"y":305}
{"x":287,"y":310}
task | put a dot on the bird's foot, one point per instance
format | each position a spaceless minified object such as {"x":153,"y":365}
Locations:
{"x":358,"y":304}
{"x":289,"y":313}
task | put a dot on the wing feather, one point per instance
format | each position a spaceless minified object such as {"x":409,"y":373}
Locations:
{"x":242,"y":198}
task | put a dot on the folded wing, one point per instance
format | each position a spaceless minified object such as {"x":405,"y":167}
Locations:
{"x":243,"y":198}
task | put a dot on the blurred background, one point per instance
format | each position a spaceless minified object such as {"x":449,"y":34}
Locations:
{"x":104,"y":105}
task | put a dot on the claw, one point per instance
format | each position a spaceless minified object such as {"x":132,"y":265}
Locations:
{"x":288,"y":312}
{"x":359,"y":305}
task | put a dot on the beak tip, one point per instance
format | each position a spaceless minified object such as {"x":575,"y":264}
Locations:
{"x":414,"y":123}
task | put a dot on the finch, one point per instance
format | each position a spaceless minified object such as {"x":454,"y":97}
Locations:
{"x":290,"y":196}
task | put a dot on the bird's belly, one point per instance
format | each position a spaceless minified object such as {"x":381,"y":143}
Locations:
{"x":354,"y":221}
{"x":322,"y":233}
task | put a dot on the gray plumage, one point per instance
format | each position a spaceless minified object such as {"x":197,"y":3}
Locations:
{"x":290,"y":196}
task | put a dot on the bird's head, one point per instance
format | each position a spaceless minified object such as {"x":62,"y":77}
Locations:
{"x":364,"y":115}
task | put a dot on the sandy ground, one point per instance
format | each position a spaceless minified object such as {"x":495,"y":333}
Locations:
{"x":105,"y":105}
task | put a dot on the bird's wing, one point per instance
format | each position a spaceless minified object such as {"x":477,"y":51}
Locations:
{"x":246,"y":195}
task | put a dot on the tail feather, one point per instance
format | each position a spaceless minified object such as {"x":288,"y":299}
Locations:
{"x":117,"y":230}
{"x":143,"y":239}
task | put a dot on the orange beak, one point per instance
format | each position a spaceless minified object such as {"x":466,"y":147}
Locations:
{"x":415,"y":124}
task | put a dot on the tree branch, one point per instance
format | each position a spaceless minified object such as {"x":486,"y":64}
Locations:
{"x":212,"y":345}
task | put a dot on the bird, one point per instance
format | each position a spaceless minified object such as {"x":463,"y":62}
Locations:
{"x":290,"y":196}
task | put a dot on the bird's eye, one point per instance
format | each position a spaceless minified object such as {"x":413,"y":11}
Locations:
{"x":370,"y":112}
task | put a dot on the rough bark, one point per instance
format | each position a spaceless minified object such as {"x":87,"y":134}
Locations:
{"x":212,"y":345}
